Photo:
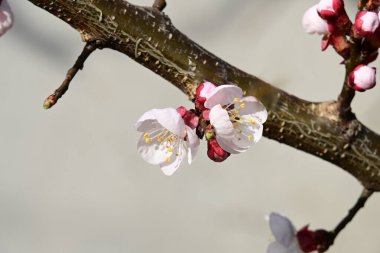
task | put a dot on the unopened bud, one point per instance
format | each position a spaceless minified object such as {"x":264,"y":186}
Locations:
{"x":313,"y":23}
{"x":49,"y":101}
{"x":202,"y":93}
{"x":330,"y":9}
{"x":190,"y":118}
{"x":362,"y":78}
{"x":215,"y":152}
{"x":366,"y":24}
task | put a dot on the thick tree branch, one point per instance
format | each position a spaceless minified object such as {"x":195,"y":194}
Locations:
{"x":148,"y":36}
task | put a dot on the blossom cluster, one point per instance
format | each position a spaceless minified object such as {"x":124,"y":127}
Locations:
{"x":356,"y":42}
{"x":230,"y":122}
{"x":6,"y":17}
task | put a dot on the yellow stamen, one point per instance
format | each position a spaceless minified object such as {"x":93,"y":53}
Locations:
{"x":146,"y":135}
{"x":236,"y":99}
{"x":167,"y":159}
{"x":252,"y":121}
{"x":250,"y":137}
{"x":242,"y":105}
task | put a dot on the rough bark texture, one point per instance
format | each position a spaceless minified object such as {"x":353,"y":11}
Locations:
{"x":148,"y":36}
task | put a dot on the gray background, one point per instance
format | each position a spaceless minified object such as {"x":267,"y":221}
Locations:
{"x":71,"y":179}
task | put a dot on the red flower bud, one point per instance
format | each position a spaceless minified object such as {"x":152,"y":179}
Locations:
{"x":306,"y":239}
{"x":215,"y":152}
{"x":202,"y":93}
{"x":190,"y":118}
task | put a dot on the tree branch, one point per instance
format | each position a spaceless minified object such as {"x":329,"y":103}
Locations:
{"x":148,"y":37}
{"x":78,"y":65}
{"x":364,"y":196}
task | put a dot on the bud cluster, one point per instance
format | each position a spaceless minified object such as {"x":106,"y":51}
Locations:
{"x":356,"y":42}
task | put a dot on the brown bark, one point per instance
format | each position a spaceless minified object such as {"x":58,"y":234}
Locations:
{"x":147,"y":35}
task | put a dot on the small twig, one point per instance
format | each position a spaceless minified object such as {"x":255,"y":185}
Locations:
{"x":159,"y":5}
{"x":78,"y":65}
{"x":364,"y":196}
{"x":344,"y":102}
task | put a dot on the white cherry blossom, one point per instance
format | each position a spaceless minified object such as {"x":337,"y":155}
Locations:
{"x":165,"y":139}
{"x":237,"y":120}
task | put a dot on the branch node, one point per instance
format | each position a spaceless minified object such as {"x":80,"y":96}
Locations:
{"x":90,"y":47}
{"x":159,"y":5}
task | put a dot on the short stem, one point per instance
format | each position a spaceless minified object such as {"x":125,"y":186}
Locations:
{"x":344,"y":101}
{"x":78,"y":65}
{"x":364,"y":196}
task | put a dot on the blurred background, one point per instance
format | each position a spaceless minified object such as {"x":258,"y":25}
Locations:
{"x":71,"y":179}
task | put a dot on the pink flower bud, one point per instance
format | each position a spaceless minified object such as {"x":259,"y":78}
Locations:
{"x":206,"y":114}
{"x":362,"y":78}
{"x":330,"y":9}
{"x":202,"y":93}
{"x":313,"y":23}
{"x":366,"y":24}
{"x":215,"y":152}
{"x":306,"y":239}
{"x":190,"y":118}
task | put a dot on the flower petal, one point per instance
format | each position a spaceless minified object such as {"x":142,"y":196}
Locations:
{"x":221,"y":121}
{"x":152,"y":152}
{"x":253,"y":107}
{"x":192,"y":144}
{"x":276,"y":247}
{"x":282,"y":229}
{"x":145,"y":122}
{"x":170,"y":119}
{"x":228,"y":144}
{"x":169,"y":167}
{"x":223,"y":95}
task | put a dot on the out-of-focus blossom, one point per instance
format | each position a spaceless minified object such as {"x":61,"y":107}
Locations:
{"x":6,"y":17}
{"x":288,"y":240}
